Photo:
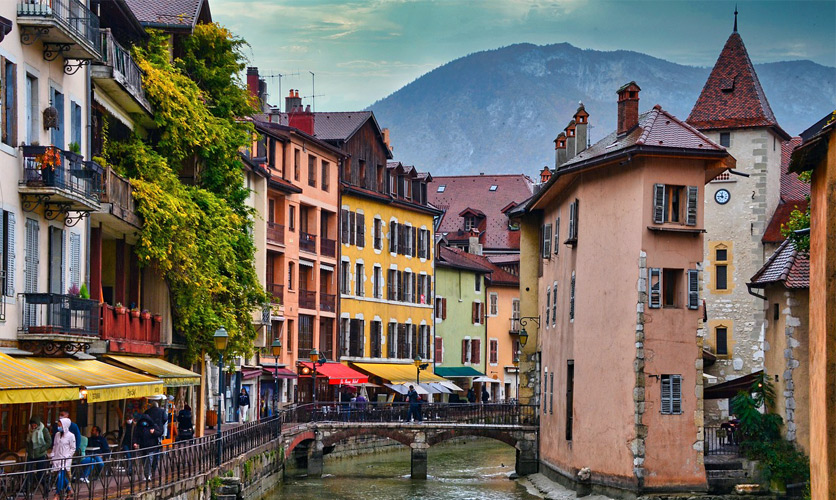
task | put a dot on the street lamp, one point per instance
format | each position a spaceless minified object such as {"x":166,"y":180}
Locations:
{"x":316,"y":359}
{"x":418,"y":367}
{"x":276,"y":349}
{"x":221,"y":338}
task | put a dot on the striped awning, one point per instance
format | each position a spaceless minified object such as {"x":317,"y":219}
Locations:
{"x":398,"y":373}
{"x":21,"y":383}
{"x":103,"y":382}
{"x":171,"y":374}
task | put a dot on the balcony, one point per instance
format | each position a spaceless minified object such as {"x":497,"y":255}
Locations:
{"x":50,"y":314}
{"x":60,"y":181}
{"x":307,"y":299}
{"x":327,"y":302}
{"x":118,"y":210}
{"x":130,"y":331}
{"x":328,"y":248}
{"x":276,"y":293}
{"x":119,"y":75}
{"x":66,"y":27}
{"x":515,"y":326}
{"x":275,"y":233}
{"x":307,"y":242}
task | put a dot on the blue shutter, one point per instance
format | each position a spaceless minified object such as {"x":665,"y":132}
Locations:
{"x":10,"y":254}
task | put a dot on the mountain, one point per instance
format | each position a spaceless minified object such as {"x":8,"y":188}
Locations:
{"x":499,"y":110}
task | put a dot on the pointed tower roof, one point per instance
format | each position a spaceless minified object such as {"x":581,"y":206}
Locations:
{"x":733,"y":97}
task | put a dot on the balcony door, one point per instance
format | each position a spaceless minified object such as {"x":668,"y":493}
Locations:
{"x":55,"y":276}
{"x":57,"y":133}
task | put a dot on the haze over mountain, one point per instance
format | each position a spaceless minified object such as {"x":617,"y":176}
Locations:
{"x":498,"y":111}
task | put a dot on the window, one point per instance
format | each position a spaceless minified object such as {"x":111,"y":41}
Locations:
{"x":693,"y":289}
{"x":572,"y":298}
{"x":375,"y":337}
{"x":290,"y":269}
{"x":297,"y":159}
{"x":572,"y":236}
{"x":548,"y":305}
{"x":325,"y":182}
{"x":291,"y":218}
{"x":570,"y":397}
{"x":725,"y":139}
{"x":360,"y":230}
{"x":392,"y":341}
{"x":670,"y":287}
{"x":394,"y":227}
{"x":408,"y":243}
{"x":306,"y":327}
{"x":290,"y":335}
{"x":57,"y":133}
{"x":494,"y":304}
{"x":392,"y":285}
{"x":556,"y":235}
{"x":655,"y":300}
{"x":439,"y":350}
{"x":721,"y":340}
{"x":492,"y":188}
{"x":8,"y":104}
{"x":440,"y":308}
{"x":32,"y":109}
{"x":408,"y":286}
{"x":554,"y":305}
{"x":441,"y":188}
{"x":75,"y":122}
{"x":311,"y":170}
{"x":7,"y":250}
{"x":775,"y":312}
{"x":356,"y":338}
{"x":721,"y":268}
{"x":469,"y":223}
{"x":671,"y":394}
{"x":377,"y":278}
{"x":478,"y":313}
{"x":378,"y":234}
{"x":345,"y":278}
{"x":515,"y":315}
{"x":551,"y":393}
{"x":546,"y":241}
{"x":478,"y":283}
{"x":359,"y":277}
{"x":494,"y":355}
{"x":675,"y":204}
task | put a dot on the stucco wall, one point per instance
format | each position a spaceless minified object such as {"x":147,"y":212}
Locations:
{"x":498,"y":328}
{"x":458,"y":287}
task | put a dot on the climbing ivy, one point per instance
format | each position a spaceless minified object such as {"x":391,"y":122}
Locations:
{"x":189,"y":188}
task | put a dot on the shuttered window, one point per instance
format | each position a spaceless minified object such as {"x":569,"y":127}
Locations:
{"x":439,"y":350}
{"x":352,"y":228}
{"x":554,"y":305}
{"x":547,"y":241}
{"x":551,"y":393}
{"x":573,"y":222}
{"x":9,"y":253}
{"x":359,"y":277}
{"x":548,"y":306}
{"x":545,"y":389}
{"x":572,"y":298}
{"x":691,"y":206}
{"x":658,"y":203}
{"x":494,"y":344}
{"x":655,"y":288}
{"x":671,"y":394}
{"x":344,"y":227}
{"x":393,"y":236}
{"x":378,"y":234}
{"x":693,"y":289}
{"x":75,"y":260}
{"x":392,"y":341}
{"x":361,"y":230}
{"x":476,"y":351}
{"x":556,"y":235}
{"x":465,"y":350}
{"x":391,"y":284}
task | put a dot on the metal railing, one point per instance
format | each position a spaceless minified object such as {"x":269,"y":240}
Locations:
{"x":117,"y":190}
{"x":2,"y":292}
{"x":722,"y":440}
{"x":53,"y":313}
{"x":276,"y":293}
{"x":327,"y":302}
{"x":307,"y":242}
{"x":275,"y":233}
{"x":48,"y":166}
{"x":515,"y":326}
{"x":116,"y":57}
{"x":71,"y":14}
{"x":328,"y":247}
{"x":307,"y":299}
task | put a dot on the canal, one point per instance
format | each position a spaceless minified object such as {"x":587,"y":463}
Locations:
{"x":477,"y":468}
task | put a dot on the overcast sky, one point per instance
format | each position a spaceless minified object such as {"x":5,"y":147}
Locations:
{"x":362,"y":51}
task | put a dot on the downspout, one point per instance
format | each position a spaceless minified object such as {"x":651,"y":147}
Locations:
{"x":89,"y":140}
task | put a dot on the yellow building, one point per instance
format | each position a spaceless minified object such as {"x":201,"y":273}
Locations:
{"x":386,"y":273}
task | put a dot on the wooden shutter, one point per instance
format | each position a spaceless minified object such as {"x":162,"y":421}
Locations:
{"x":414,"y":241}
{"x":667,"y":402}
{"x":571,"y":231}
{"x":676,"y":394}
{"x":476,"y":351}
{"x":444,"y":308}
{"x":577,"y":219}
{"x":393,"y":236}
{"x":344,"y":227}
{"x":361,"y":341}
{"x":691,"y":207}
{"x":361,"y":230}
{"x":658,"y":203}
{"x":415,"y":298}
{"x":473,"y":316}
{"x":75,"y":259}
{"x":10,"y":254}
{"x":548,"y":304}
{"x":554,"y":304}
{"x":572,"y":297}
{"x":439,"y":350}
{"x":494,"y":354}
{"x":401,"y":291}
{"x":693,"y":289}
{"x":352,"y":228}
{"x":464,"y":351}
{"x":655,"y":288}
{"x":547,"y":241}
{"x":556,"y":235}
{"x":543,"y":241}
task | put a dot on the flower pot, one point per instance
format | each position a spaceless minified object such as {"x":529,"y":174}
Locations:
{"x":134,"y":314}
{"x":120,"y":310}
{"x":158,"y":318}
{"x":145,"y":316}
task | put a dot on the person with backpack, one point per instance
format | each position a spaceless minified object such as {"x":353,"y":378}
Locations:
{"x":146,"y":441}
{"x":185,"y":424}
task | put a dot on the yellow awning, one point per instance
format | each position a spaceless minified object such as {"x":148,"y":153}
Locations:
{"x":399,"y":374}
{"x":171,"y":374}
{"x":102,"y":381}
{"x":20,"y":383}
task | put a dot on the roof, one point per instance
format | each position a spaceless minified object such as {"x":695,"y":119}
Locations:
{"x":504,"y":258}
{"x":657,"y":129}
{"x":814,"y":146}
{"x":730,"y":388}
{"x":473,"y":191}
{"x":791,"y":187}
{"x":732,"y":96}
{"x":787,"y":266}
{"x":334,"y":126}
{"x":456,"y":257}
{"x":781,"y":217}
{"x":169,"y":13}
{"x":280,"y":131}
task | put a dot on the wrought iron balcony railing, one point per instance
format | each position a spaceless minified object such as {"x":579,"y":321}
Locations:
{"x":275,"y":233}
{"x":307,"y":299}
{"x":63,"y":171}
{"x":276,"y":293}
{"x":53,"y":313}
{"x":327,"y":302}
{"x":307,"y":242}
{"x":118,"y":65}
{"x":79,"y":26}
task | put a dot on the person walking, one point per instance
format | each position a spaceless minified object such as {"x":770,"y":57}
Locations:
{"x":95,"y":457}
{"x":485,"y":396}
{"x":244,"y":405}
{"x":73,"y":428}
{"x":38,"y":442}
{"x":146,"y":441}
{"x":414,"y":404}
{"x":126,"y":443}
{"x":185,"y":425}
{"x":471,"y":395}
{"x":158,"y":415}
{"x":63,"y":449}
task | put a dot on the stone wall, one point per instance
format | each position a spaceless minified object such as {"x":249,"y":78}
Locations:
{"x":362,"y":445}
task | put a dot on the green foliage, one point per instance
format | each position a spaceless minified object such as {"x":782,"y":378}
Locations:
{"x":84,"y":293}
{"x":799,"y":220}
{"x":762,"y":440}
{"x":197,"y":235}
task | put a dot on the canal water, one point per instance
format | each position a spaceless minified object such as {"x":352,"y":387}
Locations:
{"x":459,"y":470}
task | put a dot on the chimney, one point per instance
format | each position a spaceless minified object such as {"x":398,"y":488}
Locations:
{"x":299,"y":117}
{"x":628,"y":107}
{"x":473,"y":245}
{"x":386,"y":139}
{"x":292,"y":101}
{"x":570,"y":140}
{"x":581,"y":124}
{"x":252,"y":81}
{"x":560,"y":150}
{"x":545,"y":175}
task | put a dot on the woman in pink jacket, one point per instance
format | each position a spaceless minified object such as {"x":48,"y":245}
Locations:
{"x":63,"y":449}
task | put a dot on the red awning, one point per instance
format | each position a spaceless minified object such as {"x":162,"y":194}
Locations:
{"x":337,"y":373}
{"x":281,"y":373}
{"x":248,"y":373}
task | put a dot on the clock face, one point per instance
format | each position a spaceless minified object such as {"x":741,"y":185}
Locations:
{"x":722,"y":196}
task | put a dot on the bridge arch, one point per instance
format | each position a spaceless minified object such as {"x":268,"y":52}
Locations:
{"x":297,"y":440}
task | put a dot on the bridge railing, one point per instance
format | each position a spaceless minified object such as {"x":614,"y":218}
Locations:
{"x":465,"y":413}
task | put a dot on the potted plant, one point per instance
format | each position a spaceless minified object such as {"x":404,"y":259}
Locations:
{"x":158,"y":317}
{"x":49,"y":163}
{"x":84,"y":293}
{"x":135,"y":312}
{"x":145,"y":314}
{"x":119,"y":308}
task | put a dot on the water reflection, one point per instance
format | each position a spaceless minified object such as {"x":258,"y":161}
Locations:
{"x":463,"y":469}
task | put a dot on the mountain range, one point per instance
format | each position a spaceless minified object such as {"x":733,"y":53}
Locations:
{"x":498,"y":111}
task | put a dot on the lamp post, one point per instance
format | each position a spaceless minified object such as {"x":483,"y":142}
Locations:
{"x":418,"y":367}
{"x":220,"y":338}
{"x":523,"y":335}
{"x":315,"y":359}
{"x":276,"y":348}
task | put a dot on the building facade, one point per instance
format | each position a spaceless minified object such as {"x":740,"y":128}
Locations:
{"x":617,"y":301}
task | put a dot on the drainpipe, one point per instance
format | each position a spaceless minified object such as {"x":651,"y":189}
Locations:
{"x":89,"y":140}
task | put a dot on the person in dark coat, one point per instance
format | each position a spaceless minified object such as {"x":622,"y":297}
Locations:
{"x":185,"y":425}
{"x":485,"y":396}
{"x":244,"y":405}
{"x":414,"y":404}
{"x":158,"y":415}
{"x":471,"y":395}
{"x":126,"y":442}
{"x":146,"y":440}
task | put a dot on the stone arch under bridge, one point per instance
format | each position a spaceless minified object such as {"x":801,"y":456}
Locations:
{"x":418,"y":437}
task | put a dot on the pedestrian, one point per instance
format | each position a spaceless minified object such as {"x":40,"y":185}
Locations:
{"x":146,"y":441}
{"x":126,"y":443}
{"x":158,"y":415}
{"x":414,"y":404}
{"x":485,"y":396}
{"x":63,"y":449}
{"x":345,"y":404}
{"x":38,"y":442}
{"x":185,"y":425}
{"x":360,"y":403}
{"x":471,"y":395}
{"x":73,"y":428}
{"x":244,"y":405}
{"x":95,"y":458}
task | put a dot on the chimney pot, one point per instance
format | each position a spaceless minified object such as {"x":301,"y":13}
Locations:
{"x":628,"y":107}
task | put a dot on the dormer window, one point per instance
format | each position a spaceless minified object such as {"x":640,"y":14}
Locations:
{"x":469,"y":223}
{"x":441,"y":188}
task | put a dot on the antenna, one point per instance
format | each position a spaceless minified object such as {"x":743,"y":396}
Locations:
{"x":313,"y":90}
{"x":279,"y":76}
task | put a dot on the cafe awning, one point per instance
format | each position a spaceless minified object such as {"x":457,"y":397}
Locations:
{"x":457,"y":371}
{"x":171,"y":374}
{"x":21,"y":383}
{"x":730,"y":388}
{"x":103,"y":382}
{"x":336,"y":373}
{"x":398,"y":373}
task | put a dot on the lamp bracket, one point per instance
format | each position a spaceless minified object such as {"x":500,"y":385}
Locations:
{"x":525,"y":319}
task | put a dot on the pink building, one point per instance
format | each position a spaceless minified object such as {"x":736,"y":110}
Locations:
{"x":618,"y":299}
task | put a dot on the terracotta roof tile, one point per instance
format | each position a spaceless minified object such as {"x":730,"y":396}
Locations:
{"x":457,"y":257}
{"x":786,"y":266}
{"x":780,"y":217}
{"x":792,"y":189}
{"x":473,"y":192}
{"x":334,"y":126}
{"x":732,"y":96}
{"x":169,"y":12}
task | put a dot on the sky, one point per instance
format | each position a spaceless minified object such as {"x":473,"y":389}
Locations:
{"x":362,"y":51}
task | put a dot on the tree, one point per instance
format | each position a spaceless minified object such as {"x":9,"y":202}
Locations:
{"x":799,"y":220}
